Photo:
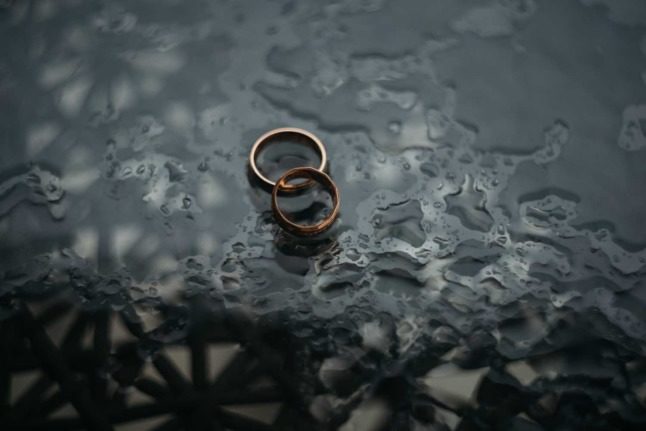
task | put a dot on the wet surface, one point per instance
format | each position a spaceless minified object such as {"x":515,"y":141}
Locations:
{"x":488,"y":270}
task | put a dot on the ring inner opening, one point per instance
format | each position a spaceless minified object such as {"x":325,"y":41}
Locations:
{"x":309,"y":206}
{"x":285,"y":151}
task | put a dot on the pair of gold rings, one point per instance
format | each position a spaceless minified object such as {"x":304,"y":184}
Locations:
{"x":282,"y":185}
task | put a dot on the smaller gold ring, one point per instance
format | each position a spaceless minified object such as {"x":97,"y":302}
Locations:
{"x":314,"y":175}
{"x":265,"y":138}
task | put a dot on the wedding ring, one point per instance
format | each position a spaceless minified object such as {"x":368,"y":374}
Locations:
{"x":266,"y":138}
{"x":314,"y":175}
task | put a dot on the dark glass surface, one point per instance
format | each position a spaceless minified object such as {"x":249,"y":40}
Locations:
{"x":487,"y":272}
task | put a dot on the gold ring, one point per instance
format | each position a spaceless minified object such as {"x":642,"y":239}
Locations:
{"x":265,"y":138}
{"x":312,"y":174}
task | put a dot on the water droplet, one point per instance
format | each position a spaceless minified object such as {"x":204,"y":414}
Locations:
{"x":395,"y":127}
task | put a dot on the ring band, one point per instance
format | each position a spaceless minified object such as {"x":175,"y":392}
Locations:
{"x":312,"y":174}
{"x":265,"y":138}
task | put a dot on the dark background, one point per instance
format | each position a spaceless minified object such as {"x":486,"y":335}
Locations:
{"x":487,"y":271}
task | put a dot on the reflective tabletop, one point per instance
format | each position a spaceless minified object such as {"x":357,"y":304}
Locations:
{"x":487,"y":270}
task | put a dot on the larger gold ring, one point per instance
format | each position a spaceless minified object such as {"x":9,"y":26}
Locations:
{"x":314,"y":175}
{"x":265,"y":138}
